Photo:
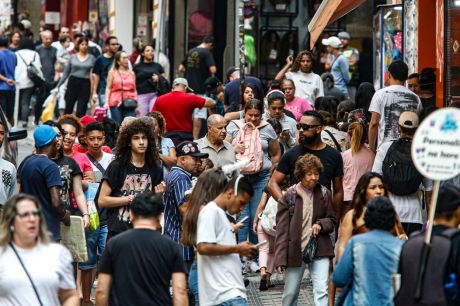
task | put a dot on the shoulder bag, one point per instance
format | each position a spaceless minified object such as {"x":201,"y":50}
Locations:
{"x":27,"y":273}
{"x":127,"y":103}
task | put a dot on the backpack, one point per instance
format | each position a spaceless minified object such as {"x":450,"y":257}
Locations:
{"x":399,"y":172}
{"x":268,"y":217}
{"x":433,"y":291}
{"x":33,"y":73}
{"x":250,"y":136}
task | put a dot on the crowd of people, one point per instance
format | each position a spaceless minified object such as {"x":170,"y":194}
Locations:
{"x":196,"y":185}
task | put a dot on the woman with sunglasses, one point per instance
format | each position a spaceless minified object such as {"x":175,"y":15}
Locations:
{"x":33,"y":270}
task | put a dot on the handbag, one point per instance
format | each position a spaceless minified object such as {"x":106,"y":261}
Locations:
{"x":127,"y":103}
{"x":309,"y":253}
{"x":268,"y":217}
{"x":27,"y":273}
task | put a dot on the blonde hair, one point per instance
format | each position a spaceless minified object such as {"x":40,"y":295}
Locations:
{"x":7,"y":220}
{"x":357,"y":135}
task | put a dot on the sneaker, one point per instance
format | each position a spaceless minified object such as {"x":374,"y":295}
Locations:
{"x":263,"y":284}
{"x":254,"y":267}
{"x":246,"y":282}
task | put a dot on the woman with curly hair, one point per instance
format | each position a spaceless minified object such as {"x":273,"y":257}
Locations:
{"x":369,"y":186}
{"x":308,"y":84}
{"x":135,"y":169}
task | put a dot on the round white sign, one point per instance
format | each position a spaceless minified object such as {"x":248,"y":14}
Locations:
{"x":436,"y":145}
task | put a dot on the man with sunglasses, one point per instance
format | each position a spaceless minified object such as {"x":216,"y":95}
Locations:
{"x":310,"y":127}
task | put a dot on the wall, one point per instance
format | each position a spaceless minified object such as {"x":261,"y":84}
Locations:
{"x":427,"y":33}
{"x":122,"y":22}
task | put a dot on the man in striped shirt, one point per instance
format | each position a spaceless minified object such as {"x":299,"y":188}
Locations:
{"x":178,"y":181}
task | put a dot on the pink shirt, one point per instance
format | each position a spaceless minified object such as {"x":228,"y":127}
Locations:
{"x":83,"y":161}
{"x":128,"y":91}
{"x":354,"y":166}
{"x":298,"y":106}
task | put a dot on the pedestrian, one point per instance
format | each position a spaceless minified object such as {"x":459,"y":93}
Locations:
{"x":339,"y":66}
{"x":276,"y":101}
{"x":82,"y":146}
{"x":377,"y":252}
{"x":199,"y":64}
{"x":331,"y":135}
{"x":404,"y":184}
{"x":7,"y":79}
{"x":363,"y":100}
{"x":296,"y":105}
{"x":78,"y":72}
{"x":220,"y":151}
{"x":215,"y":90}
{"x":352,"y":55}
{"x":305,"y":212}
{"x":257,"y":176}
{"x":48,"y":59}
{"x":388,"y":104}
{"x":101,"y":69}
{"x":413,"y":83}
{"x":232,"y":95}
{"x":148,"y":80}
{"x":310,"y":127}
{"x":8,"y":184}
{"x":26,"y":55}
{"x":250,"y":91}
{"x":120,"y":93}
{"x":14,"y":41}
{"x":177,"y":108}
{"x":329,"y":87}
{"x":356,"y":161}
{"x":63,"y":31}
{"x":178,"y":181}
{"x":138,"y":265}
{"x":134,"y":170}
{"x":27,"y":256}
{"x":40,"y":177}
{"x":219,"y":270}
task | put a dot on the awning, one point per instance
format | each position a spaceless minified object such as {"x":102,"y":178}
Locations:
{"x":328,"y":12}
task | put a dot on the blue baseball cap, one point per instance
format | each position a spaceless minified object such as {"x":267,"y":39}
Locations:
{"x":43,"y":135}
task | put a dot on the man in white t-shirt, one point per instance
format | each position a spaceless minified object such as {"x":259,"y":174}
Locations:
{"x":308,"y":84}
{"x":219,"y":267}
{"x":64,"y":31}
{"x":388,"y":104}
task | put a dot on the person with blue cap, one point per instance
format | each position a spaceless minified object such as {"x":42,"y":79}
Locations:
{"x":40,"y":176}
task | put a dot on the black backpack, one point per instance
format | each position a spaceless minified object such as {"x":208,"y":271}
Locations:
{"x":399,"y":172}
{"x":32,"y":72}
{"x":433,"y":290}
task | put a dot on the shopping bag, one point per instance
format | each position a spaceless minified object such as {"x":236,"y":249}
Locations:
{"x":50,"y":104}
{"x":90,"y":195}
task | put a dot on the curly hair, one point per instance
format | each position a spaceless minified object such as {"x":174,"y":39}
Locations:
{"x":160,"y":120}
{"x":380,"y":214}
{"x":296,"y":63}
{"x":359,"y":196}
{"x":123,"y":146}
{"x":305,"y":163}
{"x":71,"y":120}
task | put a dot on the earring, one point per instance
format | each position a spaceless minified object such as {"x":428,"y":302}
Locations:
{"x":12,"y":228}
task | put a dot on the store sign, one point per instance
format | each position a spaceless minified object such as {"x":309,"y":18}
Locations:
{"x":436,"y":145}
{"x":52,"y":18}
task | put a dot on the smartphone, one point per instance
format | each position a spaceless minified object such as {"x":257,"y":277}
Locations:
{"x":286,"y":131}
{"x":261,"y":243}
{"x":243,"y":220}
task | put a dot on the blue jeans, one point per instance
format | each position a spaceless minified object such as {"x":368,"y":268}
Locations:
{"x":193,"y":282}
{"x":91,"y":248}
{"x":259,"y":182}
{"x":101,"y":239}
{"x":238,"y":301}
{"x":120,"y":112}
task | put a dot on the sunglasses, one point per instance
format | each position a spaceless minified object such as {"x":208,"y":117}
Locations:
{"x":306,"y":127}
{"x":27,"y":214}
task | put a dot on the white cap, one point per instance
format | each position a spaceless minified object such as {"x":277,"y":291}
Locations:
{"x":332,"y":41}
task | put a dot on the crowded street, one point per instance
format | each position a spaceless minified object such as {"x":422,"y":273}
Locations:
{"x":229,"y":153}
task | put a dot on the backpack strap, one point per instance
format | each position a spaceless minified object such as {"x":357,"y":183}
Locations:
{"x":450,"y":232}
{"x":337,"y":145}
{"x":25,"y":63}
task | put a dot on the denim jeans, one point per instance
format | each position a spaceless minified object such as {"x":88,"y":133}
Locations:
{"x":319,"y":272}
{"x":193,"y":282}
{"x":258,"y":182}
{"x":91,"y":248}
{"x":238,"y":301}
{"x":120,"y":112}
{"x":101,"y":240}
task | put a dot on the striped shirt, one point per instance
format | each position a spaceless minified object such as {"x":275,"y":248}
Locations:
{"x":178,"y":181}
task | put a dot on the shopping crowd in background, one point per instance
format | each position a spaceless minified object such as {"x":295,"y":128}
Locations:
{"x":198,"y":182}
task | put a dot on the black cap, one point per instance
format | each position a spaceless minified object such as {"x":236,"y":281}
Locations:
{"x":190,"y":148}
{"x":448,"y":198}
{"x":231,"y":70}
{"x":211,"y":83}
{"x":208,"y":39}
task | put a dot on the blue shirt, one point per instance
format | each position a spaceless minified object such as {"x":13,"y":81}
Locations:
{"x":178,"y":182}
{"x":340,"y":73}
{"x":8,"y":62}
{"x":37,"y":175}
{"x":369,"y":260}
{"x":101,"y":68}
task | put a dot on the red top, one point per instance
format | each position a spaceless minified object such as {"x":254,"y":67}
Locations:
{"x":77,"y":148}
{"x":177,"y":108}
{"x":119,"y":92}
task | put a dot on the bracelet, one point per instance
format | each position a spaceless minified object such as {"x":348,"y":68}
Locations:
{"x":85,"y":215}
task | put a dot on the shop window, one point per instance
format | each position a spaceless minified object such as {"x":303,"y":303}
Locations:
{"x":200,"y":16}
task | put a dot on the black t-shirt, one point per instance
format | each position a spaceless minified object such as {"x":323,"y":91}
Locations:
{"x":197,"y":63}
{"x":128,"y":180}
{"x":233,"y":90}
{"x":101,"y":68}
{"x":144,"y":72}
{"x":48,"y":58}
{"x":141,"y":263}
{"x":68,"y":168}
{"x":330,"y":158}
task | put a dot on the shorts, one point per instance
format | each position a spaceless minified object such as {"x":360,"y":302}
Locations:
{"x":91,"y":248}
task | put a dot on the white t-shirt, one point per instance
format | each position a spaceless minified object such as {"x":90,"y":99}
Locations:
{"x":390,"y":102}
{"x":25,"y":57}
{"x":219,"y":277}
{"x":408,"y":207}
{"x":8,"y":183}
{"x":307,"y":85}
{"x":49,"y":266}
{"x":104,"y":162}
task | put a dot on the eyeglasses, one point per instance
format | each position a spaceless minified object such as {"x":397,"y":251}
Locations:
{"x":306,"y":127}
{"x":27,"y":214}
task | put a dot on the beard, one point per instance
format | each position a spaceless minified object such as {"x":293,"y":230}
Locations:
{"x":307,"y":141}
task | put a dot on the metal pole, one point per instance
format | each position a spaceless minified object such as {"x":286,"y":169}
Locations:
{"x":242,"y":48}
{"x":158,"y":20}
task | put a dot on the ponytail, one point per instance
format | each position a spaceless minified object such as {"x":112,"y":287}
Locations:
{"x":357,"y":136}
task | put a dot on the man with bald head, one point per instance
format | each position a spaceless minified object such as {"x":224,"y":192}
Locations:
{"x":220,"y":151}
{"x":48,"y":57}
